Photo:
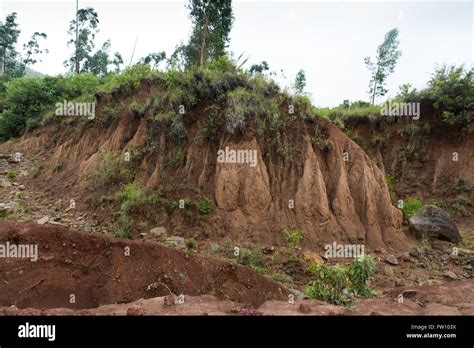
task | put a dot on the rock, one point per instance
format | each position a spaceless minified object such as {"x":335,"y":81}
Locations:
{"x":420,"y":276}
{"x":400,"y":282}
{"x":158,"y":232}
{"x":451,"y":275}
{"x":434,"y":223}
{"x":298,"y":294}
{"x":4,"y":183}
{"x":391,"y":259}
{"x":441,"y":245}
{"x":388,"y":271}
{"x":215,"y":247}
{"x":176,"y":242}
{"x":312,"y":257}
{"x":7,"y":209}
{"x":414,"y":253}
{"x":43,"y":220}
{"x":304,"y":308}
{"x":21,"y":187}
{"x":445,"y":257}
{"x":169,"y":300}
{"x":135,"y":311}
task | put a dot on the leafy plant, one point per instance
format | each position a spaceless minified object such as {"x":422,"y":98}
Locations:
{"x":339,"y":283}
{"x":204,"y":205}
{"x":11,"y":174}
{"x":410,"y":207}
{"x":293,"y":237}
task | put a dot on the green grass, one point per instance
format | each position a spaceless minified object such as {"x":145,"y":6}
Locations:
{"x":11,"y":175}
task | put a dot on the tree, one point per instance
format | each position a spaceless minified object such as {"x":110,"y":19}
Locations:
{"x":300,"y":82}
{"x":83,"y":29}
{"x":153,"y":59}
{"x":117,"y":61}
{"x":32,"y":48}
{"x":85,"y":25}
{"x":259,"y":68}
{"x":9,"y":33}
{"x":212,"y":21}
{"x":385,"y":61}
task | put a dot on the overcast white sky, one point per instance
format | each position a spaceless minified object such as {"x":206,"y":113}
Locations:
{"x":328,"y":39}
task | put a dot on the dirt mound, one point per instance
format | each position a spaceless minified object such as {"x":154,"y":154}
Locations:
{"x":428,"y":158}
{"x":454,"y":298}
{"x":314,"y":179}
{"x":100,"y":270}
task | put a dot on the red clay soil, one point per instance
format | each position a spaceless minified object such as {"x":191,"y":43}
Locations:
{"x":96,"y":271}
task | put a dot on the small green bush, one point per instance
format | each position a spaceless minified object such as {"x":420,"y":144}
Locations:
{"x":411,"y":206}
{"x":11,"y":175}
{"x":337,"y":284}
{"x":249,"y":257}
{"x":293,"y":237}
{"x":204,"y":205}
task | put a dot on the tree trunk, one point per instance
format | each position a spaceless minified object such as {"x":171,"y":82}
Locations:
{"x":77,"y":37}
{"x":204,"y":33}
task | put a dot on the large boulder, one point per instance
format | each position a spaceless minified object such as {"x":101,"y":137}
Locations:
{"x":434,"y":223}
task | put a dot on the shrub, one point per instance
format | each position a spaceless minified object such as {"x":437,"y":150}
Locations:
{"x":293,"y":237}
{"x":190,"y":243}
{"x":204,"y":206}
{"x":410,"y":207}
{"x":123,"y":228}
{"x":249,"y":257}
{"x":460,"y":205}
{"x":110,"y":172}
{"x":26,"y":98}
{"x":11,"y":175}
{"x":137,"y":108}
{"x":336,"y":284}
{"x":241,"y":104}
{"x":452,"y":89}
{"x":132,"y":198}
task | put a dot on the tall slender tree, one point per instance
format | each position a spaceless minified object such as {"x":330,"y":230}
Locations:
{"x":212,"y":22}
{"x":384,"y":64}
{"x":9,"y":33}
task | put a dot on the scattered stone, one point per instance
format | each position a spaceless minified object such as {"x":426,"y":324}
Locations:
{"x":409,"y":293}
{"x":304,"y":308}
{"x":215,"y":247}
{"x":158,"y":232}
{"x":399,"y":283}
{"x":451,"y":275}
{"x":4,"y":183}
{"x":169,"y":300}
{"x":312,"y":257}
{"x":135,"y":311}
{"x":176,"y":242}
{"x":391,"y":259}
{"x":445,"y":257}
{"x":43,"y":220}
{"x":441,"y":245}
{"x":299,"y":295}
{"x":435,"y":223}
{"x":21,"y":187}
{"x":388,"y":271}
